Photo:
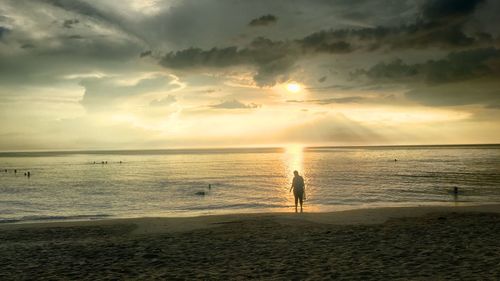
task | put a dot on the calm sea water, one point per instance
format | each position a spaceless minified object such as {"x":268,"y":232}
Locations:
{"x":68,"y":185}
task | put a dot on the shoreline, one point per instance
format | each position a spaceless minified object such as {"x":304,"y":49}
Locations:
{"x":355,"y":216}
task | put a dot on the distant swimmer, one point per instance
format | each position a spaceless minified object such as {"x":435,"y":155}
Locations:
{"x":395,"y":160}
{"x":15,"y":171}
{"x":120,"y":162}
{"x":299,"y":191}
{"x":25,"y":174}
{"x":29,"y":174}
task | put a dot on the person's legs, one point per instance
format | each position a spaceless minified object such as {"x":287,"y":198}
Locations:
{"x":296,"y":201}
{"x":301,"y":199}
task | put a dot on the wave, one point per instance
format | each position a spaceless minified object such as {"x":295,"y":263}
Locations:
{"x":36,"y":218}
{"x":234,"y":206}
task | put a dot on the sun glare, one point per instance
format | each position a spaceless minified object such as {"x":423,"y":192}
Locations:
{"x":293,"y":87}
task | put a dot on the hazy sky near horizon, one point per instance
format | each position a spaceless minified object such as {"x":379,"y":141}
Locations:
{"x":101,"y":74}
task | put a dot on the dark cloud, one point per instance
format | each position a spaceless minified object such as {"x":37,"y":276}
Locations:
{"x":322,"y":79}
{"x":69,"y":23}
{"x":324,"y":41}
{"x":195,"y":57}
{"x":27,"y":46}
{"x":337,"y":87}
{"x":272,"y":58}
{"x":3,"y":31}
{"x":234,"y":104}
{"x":484,"y":92}
{"x":461,"y":78}
{"x":457,"y":66}
{"x":264,"y":20}
{"x":393,"y":71}
{"x":145,"y":54}
{"x":75,"y":36}
{"x":465,"y":65}
{"x":409,"y":36}
{"x":442,"y":10}
{"x":320,"y":42}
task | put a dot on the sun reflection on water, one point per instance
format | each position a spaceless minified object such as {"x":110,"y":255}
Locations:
{"x":294,"y":159}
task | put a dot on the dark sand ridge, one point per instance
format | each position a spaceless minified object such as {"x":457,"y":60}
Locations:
{"x":417,"y":243}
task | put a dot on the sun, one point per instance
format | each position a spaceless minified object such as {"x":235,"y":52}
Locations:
{"x":293,"y":87}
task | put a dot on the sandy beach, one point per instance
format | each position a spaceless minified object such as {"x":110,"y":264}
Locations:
{"x":403,"y":243}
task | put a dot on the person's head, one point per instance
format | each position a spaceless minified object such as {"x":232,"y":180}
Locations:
{"x":296,"y":173}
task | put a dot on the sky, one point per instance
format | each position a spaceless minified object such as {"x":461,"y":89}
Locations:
{"x":151,"y":74}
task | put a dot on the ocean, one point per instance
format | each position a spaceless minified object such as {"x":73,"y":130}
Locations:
{"x":83,"y":185}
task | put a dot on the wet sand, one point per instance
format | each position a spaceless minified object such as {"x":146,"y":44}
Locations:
{"x":418,"y":243}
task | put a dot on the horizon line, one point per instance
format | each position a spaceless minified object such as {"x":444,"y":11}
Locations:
{"x":283,"y":146}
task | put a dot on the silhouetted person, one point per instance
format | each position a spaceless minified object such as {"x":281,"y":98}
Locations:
{"x":298,"y":187}
{"x":455,"y":193}
{"x":25,"y":174}
{"x":15,"y":171}
{"x":209,"y":186}
{"x":29,"y":174}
